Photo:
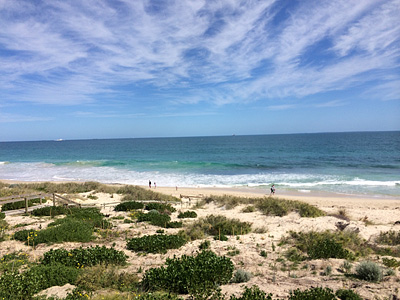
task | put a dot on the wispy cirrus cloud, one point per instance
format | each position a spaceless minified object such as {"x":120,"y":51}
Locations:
{"x":193,"y":51}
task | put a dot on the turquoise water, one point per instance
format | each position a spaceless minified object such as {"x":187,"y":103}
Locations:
{"x":350,"y":163}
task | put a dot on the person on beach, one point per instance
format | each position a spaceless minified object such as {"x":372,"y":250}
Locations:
{"x":272,"y":190}
{"x":149,"y":183}
{"x":155,"y":185}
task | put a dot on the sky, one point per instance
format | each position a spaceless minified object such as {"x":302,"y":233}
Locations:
{"x":72,"y":69}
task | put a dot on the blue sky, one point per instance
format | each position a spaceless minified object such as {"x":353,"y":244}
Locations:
{"x":141,"y":68}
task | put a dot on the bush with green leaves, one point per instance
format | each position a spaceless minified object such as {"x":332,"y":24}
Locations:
{"x":221,"y":237}
{"x":20,"y":204}
{"x":161,"y":207}
{"x":391,"y":262}
{"x":15,"y":285}
{"x":156,"y":218}
{"x":241,"y":276}
{"x":391,"y":238}
{"x":205,"y":245}
{"x":158,"y":243}
{"x":369,"y":271}
{"x":343,"y":294}
{"x":216,"y":226}
{"x":280,"y":207}
{"x":84,"y":256}
{"x":194,"y":275}
{"x":69,"y":231}
{"x":327,"y":248}
{"x":252,"y":293}
{"x":50,"y":211}
{"x":102,"y":277}
{"x":52,"y":275}
{"x":187,"y":214}
{"x":328,"y":244}
{"x":2,"y":215}
{"x":132,"y":192}
{"x":129,"y":205}
{"x":13,"y":261}
{"x":314,"y":293}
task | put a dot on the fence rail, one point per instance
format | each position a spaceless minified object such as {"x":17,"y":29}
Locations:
{"x":40,"y":196}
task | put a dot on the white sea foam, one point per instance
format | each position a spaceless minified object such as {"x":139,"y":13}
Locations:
{"x":41,"y":171}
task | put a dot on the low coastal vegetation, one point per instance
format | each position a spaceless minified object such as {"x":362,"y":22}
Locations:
{"x":129,"y":192}
{"x":158,"y":243}
{"x":327,"y":244}
{"x":269,"y":206}
{"x":217,"y":226}
{"x":194,"y":275}
{"x":105,"y":264}
{"x":78,"y":225}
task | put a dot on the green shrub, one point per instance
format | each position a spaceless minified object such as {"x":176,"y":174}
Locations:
{"x":129,"y":205}
{"x":346,"y":266}
{"x":273,"y":207}
{"x":327,"y":248}
{"x":314,"y":293}
{"x":91,"y":216}
{"x":174,"y":224}
{"x":50,"y":210}
{"x":253,"y":293}
{"x":241,"y":276}
{"x":217,"y":225}
{"x":161,"y":207}
{"x":15,"y":285}
{"x":102,"y":277}
{"x":158,"y":243}
{"x":187,"y":214}
{"x":249,"y":209}
{"x":69,"y":231}
{"x":389,"y":238}
{"x":154,"y":218}
{"x":13,"y":261}
{"x":20,"y":204}
{"x":205,"y":245}
{"x":306,"y":210}
{"x":221,"y":237}
{"x":52,"y":275}
{"x":78,"y":294}
{"x":138,"y":193}
{"x":369,"y":271}
{"x":343,"y":294}
{"x":391,"y":262}
{"x":195,"y":275}
{"x":294,"y":255}
{"x":85,"y":257}
{"x":328,"y":244}
{"x":263,"y":253}
{"x":2,"y":215}
{"x":269,"y":206}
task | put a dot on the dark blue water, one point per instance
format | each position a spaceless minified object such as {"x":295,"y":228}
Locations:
{"x":355,"y":163}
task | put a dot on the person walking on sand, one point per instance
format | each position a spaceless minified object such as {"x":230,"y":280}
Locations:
{"x":272,"y":190}
{"x":149,"y":183}
{"x":155,"y":185}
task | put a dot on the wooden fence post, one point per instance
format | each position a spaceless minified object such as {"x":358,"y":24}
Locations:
{"x":26,"y":205}
{"x":54,"y":199}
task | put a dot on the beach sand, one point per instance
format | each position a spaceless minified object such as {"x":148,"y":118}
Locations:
{"x":368,"y":216}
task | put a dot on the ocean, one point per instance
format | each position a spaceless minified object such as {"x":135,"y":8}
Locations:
{"x":359,"y":163}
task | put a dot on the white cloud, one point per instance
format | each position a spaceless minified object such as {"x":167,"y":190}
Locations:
{"x":67,"y":53}
{"x":18,"y":118}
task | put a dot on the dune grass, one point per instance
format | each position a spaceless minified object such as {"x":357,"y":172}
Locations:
{"x":268,"y":205}
{"x":129,"y":192}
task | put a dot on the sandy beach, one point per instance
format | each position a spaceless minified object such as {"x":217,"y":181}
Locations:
{"x":367,"y":216}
